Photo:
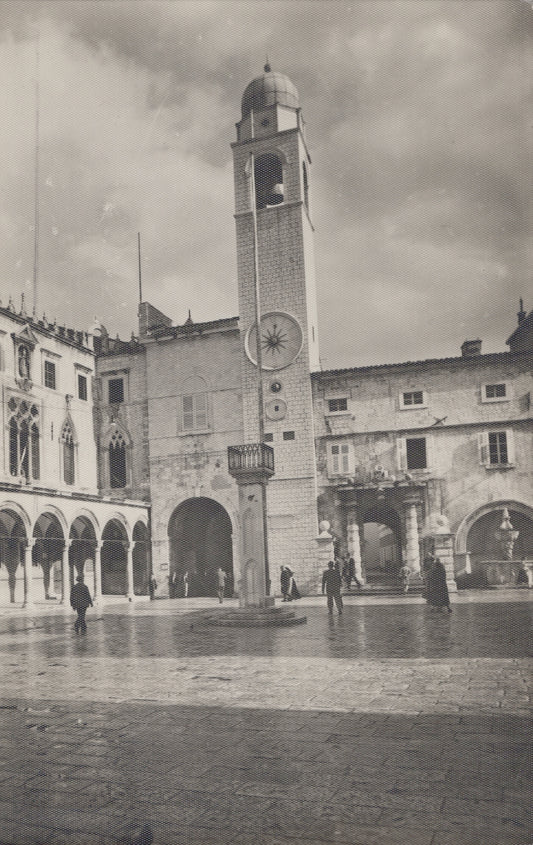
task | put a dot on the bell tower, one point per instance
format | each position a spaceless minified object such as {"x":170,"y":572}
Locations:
{"x":276,"y":279}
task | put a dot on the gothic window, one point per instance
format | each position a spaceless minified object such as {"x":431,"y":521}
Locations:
{"x":117,"y":461}
{"x":24,"y":439}
{"x":67,"y":442}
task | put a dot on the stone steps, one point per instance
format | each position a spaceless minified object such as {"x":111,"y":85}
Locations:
{"x":254,"y":617}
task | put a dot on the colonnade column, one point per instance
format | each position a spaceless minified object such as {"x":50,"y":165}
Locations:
{"x":97,"y":573}
{"x":412,"y":549}
{"x":65,"y":573}
{"x":28,"y":575}
{"x":129,"y":572}
{"x":353,"y":544}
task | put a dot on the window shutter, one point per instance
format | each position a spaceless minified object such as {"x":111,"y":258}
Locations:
{"x":429,"y":452}
{"x":483,"y":446}
{"x":201,"y":410}
{"x":333,"y":459}
{"x":401,"y":454}
{"x":510,"y":446}
{"x":188,"y":413}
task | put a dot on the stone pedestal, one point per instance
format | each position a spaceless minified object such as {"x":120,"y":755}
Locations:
{"x":325,"y":552}
{"x":252,"y":464}
{"x":443,"y":549}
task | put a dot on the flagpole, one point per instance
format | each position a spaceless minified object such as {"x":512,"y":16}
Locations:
{"x":36,"y":185}
{"x":259,"y":358}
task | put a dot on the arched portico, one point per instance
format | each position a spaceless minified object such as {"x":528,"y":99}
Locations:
{"x":200,"y":540}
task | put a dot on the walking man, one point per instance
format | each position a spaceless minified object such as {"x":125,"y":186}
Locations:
{"x":331,"y":585}
{"x":80,"y":600}
{"x":221,"y":583}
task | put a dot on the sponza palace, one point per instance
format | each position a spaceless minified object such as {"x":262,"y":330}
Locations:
{"x":115,"y":453}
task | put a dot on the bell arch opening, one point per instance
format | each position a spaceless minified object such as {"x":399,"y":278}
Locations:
{"x":200,"y":540}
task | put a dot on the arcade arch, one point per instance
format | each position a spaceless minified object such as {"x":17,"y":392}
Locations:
{"x":381,"y":543}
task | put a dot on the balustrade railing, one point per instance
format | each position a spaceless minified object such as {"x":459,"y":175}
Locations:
{"x":251,"y":456}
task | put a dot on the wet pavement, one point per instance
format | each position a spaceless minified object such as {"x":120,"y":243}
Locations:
{"x":390,"y":724}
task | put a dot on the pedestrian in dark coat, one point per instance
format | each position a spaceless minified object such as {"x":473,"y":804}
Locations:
{"x":285,"y":579}
{"x":80,"y":600}
{"x":152,"y":586}
{"x":331,"y":585}
{"x":436,"y":588}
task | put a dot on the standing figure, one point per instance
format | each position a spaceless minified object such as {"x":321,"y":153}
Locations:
{"x":349,"y":574}
{"x":80,"y":600}
{"x":436,"y":588}
{"x":221,"y":583}
{"x":405,"y":575}
{"x":331,"y":585}
{"x":186,"y":584}
{"x":286,"y":583}
{"x":152,"y":586}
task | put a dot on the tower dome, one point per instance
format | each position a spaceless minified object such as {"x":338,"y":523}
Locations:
{"x":269,"y":89}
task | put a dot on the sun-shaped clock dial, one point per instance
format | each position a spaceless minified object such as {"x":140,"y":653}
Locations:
{"x":281,"y":341}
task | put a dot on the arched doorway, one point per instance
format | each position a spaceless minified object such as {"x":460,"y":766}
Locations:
{"x":81,"y":552}
{"x":12,"y":545}
{"x":199,"y":534}
{"x":114,"y":559}
{"x":48,"y":552}
{"x":141,"y":570}
{"x":381,"y":546}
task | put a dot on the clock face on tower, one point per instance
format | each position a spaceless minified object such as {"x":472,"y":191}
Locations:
{"x":281,"y":340}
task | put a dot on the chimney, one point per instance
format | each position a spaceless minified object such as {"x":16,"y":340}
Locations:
{"x":521,"y":314}
{"x":471,"y":348}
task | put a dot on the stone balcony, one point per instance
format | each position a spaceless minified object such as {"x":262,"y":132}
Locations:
{"x":251,"y":459}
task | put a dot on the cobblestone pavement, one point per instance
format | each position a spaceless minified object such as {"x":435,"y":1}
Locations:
{"x":390,"y":725}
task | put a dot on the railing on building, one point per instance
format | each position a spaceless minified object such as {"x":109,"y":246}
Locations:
{"x":251,"y":457}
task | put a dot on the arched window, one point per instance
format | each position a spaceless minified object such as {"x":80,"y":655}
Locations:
{"x":268,"y":175}
{"x":117,"y":461}
{"x":24,"y":458}
{"x":67,"y":440}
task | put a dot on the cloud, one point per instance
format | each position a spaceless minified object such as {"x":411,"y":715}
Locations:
{"x":417,"y":114}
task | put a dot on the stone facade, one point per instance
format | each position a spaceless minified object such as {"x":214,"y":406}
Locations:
{"x":55,"y":521}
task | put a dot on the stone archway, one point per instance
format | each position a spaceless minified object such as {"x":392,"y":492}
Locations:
{"x":13,"y":539}
{"x":200,"y":540}
{"x":47,"y":552}
{"x":480,"y":540}
{"x":82,"y":548}
{"x":381,"y":543}
{"x":114,"y":559}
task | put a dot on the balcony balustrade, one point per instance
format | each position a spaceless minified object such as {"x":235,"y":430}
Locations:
{"x":251,"y":458}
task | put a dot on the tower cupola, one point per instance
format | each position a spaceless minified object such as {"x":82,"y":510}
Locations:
{"x":269,"y":105}
{"x":269,"y":89}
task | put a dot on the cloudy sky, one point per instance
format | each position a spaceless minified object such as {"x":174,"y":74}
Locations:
{"x":419,"y":123}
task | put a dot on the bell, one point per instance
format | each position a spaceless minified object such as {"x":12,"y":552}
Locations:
{"x":275,"y":195}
